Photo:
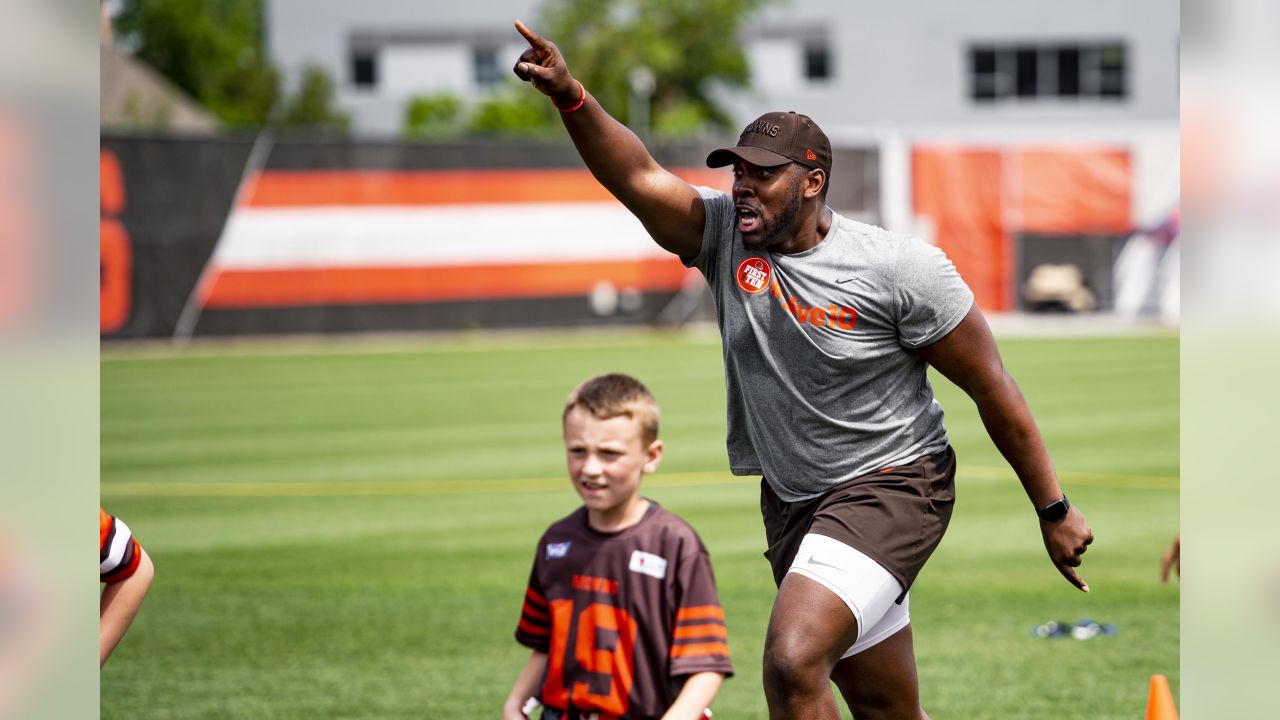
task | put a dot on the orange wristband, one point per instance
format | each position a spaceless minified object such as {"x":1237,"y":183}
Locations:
{"x":582,"y":99}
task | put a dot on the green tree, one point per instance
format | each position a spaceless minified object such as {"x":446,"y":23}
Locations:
{"x":515,"y":111}
{"x":689,"y":45}
{"x":213,"y":50}
{"x":432,"y":117}
{"x":312,"y":107}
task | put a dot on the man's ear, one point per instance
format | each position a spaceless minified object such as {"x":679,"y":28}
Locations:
{"x":814,"y":181}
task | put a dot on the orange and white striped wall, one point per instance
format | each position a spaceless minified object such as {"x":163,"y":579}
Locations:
{"x":347,"y":244}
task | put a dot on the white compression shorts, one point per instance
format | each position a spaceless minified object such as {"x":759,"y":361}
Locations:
{"x":862,"y":583}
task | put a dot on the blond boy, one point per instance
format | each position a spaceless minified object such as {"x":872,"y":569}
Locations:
{"x":621,"y":611}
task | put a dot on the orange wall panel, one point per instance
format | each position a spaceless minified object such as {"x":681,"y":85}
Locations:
{"x":295,"y":287}
{"x":978,"y":199}
{"x":959,"y":189}
{"x":295,"y":188}
{"x":1072,"y":191}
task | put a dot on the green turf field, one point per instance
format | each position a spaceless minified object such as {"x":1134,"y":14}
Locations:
{"x":345,"y":531}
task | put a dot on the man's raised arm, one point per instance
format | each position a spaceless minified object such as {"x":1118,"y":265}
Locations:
{"x":668,"y":207}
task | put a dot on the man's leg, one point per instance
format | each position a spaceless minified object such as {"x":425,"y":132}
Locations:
{"x":830,"y":589}
{"x":810,"y":628}
{"x":880,"y":682}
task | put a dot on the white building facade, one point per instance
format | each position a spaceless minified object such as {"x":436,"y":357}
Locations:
{"x":856,"y":64}
{"x":872,"y":73}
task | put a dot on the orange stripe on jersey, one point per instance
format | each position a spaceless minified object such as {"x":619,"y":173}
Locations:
{"x":128,"y":571}
{"x":712,"y":648}
{"x":533,"y":612}
{"x":700,"y":612}
{"x":535,"y":598}
{"x":533,"y":629}
{"x":104,"y":527}
{"x":699,"y":631}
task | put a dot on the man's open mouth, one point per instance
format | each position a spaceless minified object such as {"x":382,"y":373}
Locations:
{"x":748,"y":219}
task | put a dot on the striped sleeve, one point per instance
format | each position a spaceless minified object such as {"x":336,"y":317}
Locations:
{"x":534,"y":629}
{"x":118,"y":551}
{"x":700,"y":640}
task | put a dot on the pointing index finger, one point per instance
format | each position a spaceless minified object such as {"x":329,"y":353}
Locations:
{"x":535,"y":40}
{"x":1073,"y":578}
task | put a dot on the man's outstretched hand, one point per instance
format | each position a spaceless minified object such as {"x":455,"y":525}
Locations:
{"x":1172,"y":560}
{"x":543,"y":66}
{"x":1066,"y":540}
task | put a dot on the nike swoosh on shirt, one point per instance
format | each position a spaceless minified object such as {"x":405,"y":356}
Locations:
{"x":841,"y":282}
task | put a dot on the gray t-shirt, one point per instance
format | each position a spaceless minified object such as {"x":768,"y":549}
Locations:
{"x":822,"y":387}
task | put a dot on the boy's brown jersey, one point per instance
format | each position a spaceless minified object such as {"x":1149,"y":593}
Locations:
{"x":624,"y":617}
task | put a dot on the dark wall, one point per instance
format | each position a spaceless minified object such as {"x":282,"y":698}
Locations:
{"x":177,"y":193}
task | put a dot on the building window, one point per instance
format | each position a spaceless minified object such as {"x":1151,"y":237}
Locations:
{"x":1068,"y":71}
{"x":985,"y":80}
{"x":364,"y":69}
{"x":1026,"y":78}
{"x":1026,"y":73}
{"x":1111,"y":75}
{"x":817,"y":61}
{"x":484,"y":62}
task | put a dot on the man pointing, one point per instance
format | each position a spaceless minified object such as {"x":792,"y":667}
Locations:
{"x":828,"y":327}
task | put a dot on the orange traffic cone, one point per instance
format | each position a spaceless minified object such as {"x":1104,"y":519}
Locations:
{"x":1160,"y":700}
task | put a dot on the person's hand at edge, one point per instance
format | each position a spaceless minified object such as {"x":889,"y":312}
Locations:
{"x":1172,"y":559}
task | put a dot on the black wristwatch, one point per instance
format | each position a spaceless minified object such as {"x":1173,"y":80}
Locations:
{"x":1055,"y":510}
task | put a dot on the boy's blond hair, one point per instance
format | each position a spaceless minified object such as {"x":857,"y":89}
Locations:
{"x":615,"y":395}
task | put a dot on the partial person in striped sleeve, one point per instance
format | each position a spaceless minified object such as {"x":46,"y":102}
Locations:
{"x":621,"y":611}
{"x":126,"y":570}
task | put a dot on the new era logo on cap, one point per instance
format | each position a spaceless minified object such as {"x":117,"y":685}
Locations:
{"x":778,"y":138}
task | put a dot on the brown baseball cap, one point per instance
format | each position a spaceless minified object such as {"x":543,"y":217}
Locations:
{"x":778,"y":138}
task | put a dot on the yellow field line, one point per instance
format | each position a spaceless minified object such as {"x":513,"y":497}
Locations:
{"x":407,"y":487}
{"x":445,"y":342}
{"x":1068,"y":477}
{"x":509,"y":485}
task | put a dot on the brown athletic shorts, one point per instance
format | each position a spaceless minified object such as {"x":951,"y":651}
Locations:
{"x":895,"y":516}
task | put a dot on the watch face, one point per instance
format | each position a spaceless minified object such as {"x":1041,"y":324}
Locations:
{"x":1055,"y":510}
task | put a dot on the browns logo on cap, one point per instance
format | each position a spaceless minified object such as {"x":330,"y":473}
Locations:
{"x":778,"y":138}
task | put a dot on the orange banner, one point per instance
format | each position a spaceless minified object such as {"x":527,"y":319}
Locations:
{"x":978,"y":199}
{"x":286,"y":188}
{"x":354,"y":285}
{"x":959,"y":190}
